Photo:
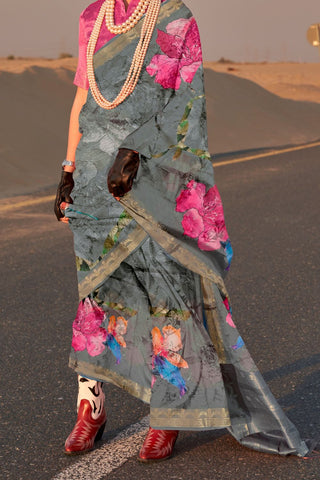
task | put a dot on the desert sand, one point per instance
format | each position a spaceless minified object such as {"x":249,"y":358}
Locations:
{"x":296,"y":81}
{"x":249,"y":106}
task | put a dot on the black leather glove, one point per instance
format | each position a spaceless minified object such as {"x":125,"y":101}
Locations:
{"x":123,"y":172}
{"x":63,"y":192}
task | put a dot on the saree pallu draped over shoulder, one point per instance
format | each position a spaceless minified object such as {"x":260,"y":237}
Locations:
{"x":154,"y":316}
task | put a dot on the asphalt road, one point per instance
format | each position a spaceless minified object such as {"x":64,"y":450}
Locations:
{"x":271,"y":206}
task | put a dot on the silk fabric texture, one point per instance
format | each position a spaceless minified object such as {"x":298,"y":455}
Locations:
{"x":154,"y":316}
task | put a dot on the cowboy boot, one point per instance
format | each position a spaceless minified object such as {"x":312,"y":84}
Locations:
{"x":91,"y":417}
{"x":158,"y":445}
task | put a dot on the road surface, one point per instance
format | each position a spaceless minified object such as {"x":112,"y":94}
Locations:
{"x":272,"y":212}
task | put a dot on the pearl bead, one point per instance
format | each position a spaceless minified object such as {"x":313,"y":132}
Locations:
{"x":107,"y":12}
{"x":130,"y":22}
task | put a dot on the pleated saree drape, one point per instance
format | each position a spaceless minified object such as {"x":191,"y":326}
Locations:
{"x":154,"y":316}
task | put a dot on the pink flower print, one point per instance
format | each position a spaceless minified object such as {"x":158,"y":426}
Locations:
{"x":230,"y":321}
{"x":192,"y":197}
{"x":213,"y":212}
{"x":209,"y":239}
{"x":79,"y":341}
{"x":204,"y":217}
{"x":192,"y":223}
{"x":95,"y":342}
{"x":87,"y":333}
{"x":182,"y":54}
{"x":229,"y":314}
{"x":226,"y":304}
{"x":178,"y":27}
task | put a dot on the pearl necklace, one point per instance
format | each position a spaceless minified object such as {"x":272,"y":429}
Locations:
{"x":140,"y":52}
{"x":128,"y":24}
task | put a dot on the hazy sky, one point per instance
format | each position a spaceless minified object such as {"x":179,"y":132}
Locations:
{"x":246,"y":30}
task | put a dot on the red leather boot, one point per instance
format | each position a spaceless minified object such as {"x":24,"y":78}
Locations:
{"x":158,"y":445}
{"x":91,"y":417}
{"x":86,"y":430}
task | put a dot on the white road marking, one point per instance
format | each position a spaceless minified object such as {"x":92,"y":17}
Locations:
{"x":270,"y":153}
{"x":102,"y":461}
{"x":10,"y":205}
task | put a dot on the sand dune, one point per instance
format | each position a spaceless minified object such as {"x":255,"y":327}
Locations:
{"x":36,"y":97}
{"x":242,"y":115}
{"x":35,"y":106}
{"x":297,"y":81}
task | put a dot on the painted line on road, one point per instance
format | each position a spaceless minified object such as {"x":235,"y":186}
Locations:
{"x":102,"y":461}
{"x":270,"y":153}
{"x":26,"y":203}
{"x":50,"y":198}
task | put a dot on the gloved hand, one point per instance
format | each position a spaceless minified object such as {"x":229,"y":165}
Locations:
{"x":123,"y":172}
{"x":63,"y":192}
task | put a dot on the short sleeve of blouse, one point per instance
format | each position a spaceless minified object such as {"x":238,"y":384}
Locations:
{"x":81,"y":79}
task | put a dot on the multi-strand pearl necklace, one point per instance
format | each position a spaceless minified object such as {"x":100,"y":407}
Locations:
{"x":107,"y":12}
{"x":128,"y":24}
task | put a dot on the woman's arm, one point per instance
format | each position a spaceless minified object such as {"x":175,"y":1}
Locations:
{"x":74,"y":134}
{"x":66,"y":183}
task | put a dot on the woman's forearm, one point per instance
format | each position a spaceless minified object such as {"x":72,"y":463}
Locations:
{"x":74,"y":134}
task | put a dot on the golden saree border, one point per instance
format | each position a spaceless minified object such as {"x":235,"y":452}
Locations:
{"x":118,"y":43}
{"x":105,"y":375}
{"x":189,"y":419}
{"x":111,"y":262}
{"x":169,"y":243}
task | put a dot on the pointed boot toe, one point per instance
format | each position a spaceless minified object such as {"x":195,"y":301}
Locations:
{"x":158,"y":445}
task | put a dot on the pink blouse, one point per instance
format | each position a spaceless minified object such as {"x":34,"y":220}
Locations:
{"x":86,"y":23}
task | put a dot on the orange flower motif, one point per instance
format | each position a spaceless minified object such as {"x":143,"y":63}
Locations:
{"x":168,"y":345}
{"x":118,"y":328}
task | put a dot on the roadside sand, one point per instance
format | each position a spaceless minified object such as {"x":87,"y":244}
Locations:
{"x":20,"y":64}
{"x":297,"y":81}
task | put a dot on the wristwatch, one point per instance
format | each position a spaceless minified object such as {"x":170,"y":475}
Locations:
{"x":68,"y":166}
{"x":67,"y":163}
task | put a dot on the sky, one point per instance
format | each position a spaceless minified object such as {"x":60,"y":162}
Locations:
{"x":240,"y":30}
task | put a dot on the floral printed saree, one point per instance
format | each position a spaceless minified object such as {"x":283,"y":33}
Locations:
{"x":154,"y":316}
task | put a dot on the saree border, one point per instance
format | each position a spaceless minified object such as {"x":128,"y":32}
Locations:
{"x":105,"y":375}
{"x":169,"y":243}
{"x":111,"y":262}
{"x":120,"y":42}
{"x":195,"y":419}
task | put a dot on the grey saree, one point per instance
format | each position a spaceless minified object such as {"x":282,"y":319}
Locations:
{"x":154,"y":316}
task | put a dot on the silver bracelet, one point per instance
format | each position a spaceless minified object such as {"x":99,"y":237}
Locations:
{"x":67,"y":163}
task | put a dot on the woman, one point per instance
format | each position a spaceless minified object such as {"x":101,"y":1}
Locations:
{"x":150,"y":239}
